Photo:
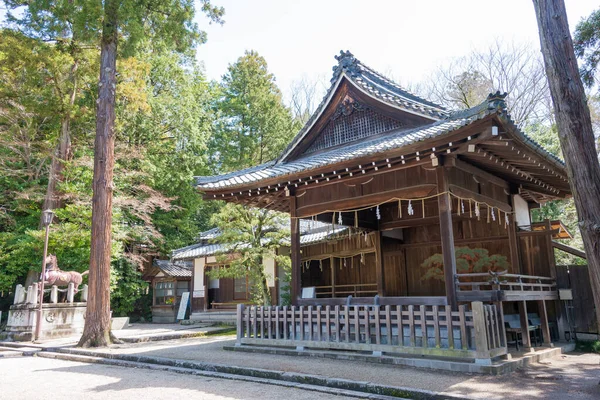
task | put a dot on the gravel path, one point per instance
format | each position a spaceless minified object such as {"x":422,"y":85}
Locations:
{"x":40,"y":378}
{"x":574,"y":376}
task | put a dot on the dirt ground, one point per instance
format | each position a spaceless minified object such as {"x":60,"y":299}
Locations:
{"x":573,"y":376}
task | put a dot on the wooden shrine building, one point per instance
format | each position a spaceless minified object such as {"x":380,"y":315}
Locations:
{"x":441,"y":205}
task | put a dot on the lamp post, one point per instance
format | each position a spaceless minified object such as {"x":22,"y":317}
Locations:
{"x":47,"y":217}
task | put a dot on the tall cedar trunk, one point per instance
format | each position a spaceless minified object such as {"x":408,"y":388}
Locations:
{"x":575,"y":129}
{"x":96,"y":331}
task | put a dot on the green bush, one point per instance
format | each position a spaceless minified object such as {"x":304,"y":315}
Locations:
{"x":588,"y":346}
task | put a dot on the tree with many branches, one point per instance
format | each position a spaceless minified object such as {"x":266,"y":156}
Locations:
{"x":109,"y":25}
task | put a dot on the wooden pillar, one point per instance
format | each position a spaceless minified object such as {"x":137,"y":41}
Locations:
{"x":550,"y":249}
{"x":191,"y":287}
{"x":544,"y":322}
{"x":296,"y":286}
{"x":482,"y":351}
{"x":332,"y":265}
{"x":447,"y":236}
{"x":379,"y":272}
{"x":205,"y":286}
{"x":513,"y":245}
{"x":525,"y":325}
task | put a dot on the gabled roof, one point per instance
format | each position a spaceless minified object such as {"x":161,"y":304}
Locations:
{"x":373,"y":84}
{"x":539,"y":175}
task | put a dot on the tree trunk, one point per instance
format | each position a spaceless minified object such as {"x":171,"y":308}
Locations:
{"x":574,"y":127}
{"x":96,"y":331}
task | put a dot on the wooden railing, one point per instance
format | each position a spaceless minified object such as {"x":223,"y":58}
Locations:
{"x":355,"y":290}
{"x":502,"y":286}
{"x":409,"y":329}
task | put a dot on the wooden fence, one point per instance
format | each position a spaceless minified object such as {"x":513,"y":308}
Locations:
{"x":475,"y":333}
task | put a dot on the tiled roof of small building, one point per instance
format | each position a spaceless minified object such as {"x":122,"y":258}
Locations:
{"x":310,"y":232}
{"x":181,"y":269}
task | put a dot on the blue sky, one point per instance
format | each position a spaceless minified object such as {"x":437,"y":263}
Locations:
{"x":405,"y":39}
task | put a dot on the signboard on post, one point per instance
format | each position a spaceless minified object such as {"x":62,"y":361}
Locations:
{"x":185,"y":299}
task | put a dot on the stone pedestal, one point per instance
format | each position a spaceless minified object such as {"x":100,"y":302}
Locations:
{"x":58,"y":320}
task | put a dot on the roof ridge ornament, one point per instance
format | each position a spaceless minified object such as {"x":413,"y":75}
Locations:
{"x":497,"y":101}
{"x":346,"y":62}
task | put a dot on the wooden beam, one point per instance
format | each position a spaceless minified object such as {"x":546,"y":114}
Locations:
{"x":447,"y":236}
{"x":379,"y":271}
{"x":332,"y":265}
{"x":569,"y":249}
{"x":295,"y":252}
{"x":365,"y":201}
{"x":339,"y":254}
{"x":471,"y":169}
{"x":457,"y":242}
{"x":480,"y":198}
{"x":370,"y":172}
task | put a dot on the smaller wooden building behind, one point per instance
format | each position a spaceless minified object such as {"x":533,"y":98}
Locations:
{"x":169,"y":280}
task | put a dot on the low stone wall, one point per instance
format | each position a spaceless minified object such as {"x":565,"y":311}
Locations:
{"x":58,"y":320}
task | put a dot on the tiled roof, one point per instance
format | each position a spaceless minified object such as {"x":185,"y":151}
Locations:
{"x":391,"y":141}
{"x":375,"y":85}
{"x":181,"y":269}
{"x":310,"y":232}
{"x":197,"y":250}
{"x":209,"y":234}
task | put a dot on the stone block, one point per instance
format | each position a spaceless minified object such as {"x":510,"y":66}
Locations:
{"x":118,"y":323}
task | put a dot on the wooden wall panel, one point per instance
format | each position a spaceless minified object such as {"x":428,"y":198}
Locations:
{"x":415,"y":285}
{"x":394,"y":264}
{"x":313,"y":276}
{"x":477,"y":184}
{"x":534,"y":255}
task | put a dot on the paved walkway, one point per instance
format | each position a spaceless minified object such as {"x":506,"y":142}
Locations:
{"x":142,"y":333}
{"x":41,"y":378}
{"x":574,"y":376}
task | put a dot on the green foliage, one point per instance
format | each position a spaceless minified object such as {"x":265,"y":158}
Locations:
{"x":588,"y":346}
{"x":467,"y":261}
{"x":251,"y":236}
{"x":126,"y":287}
{"x":167,"y":24}
{"x":163,"y":121}
{"x":586,"y":42}
{"x":254,"y":125}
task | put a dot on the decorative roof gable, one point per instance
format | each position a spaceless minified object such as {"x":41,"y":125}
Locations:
{"x":360,"y":103}
{"x":352,"y":121}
